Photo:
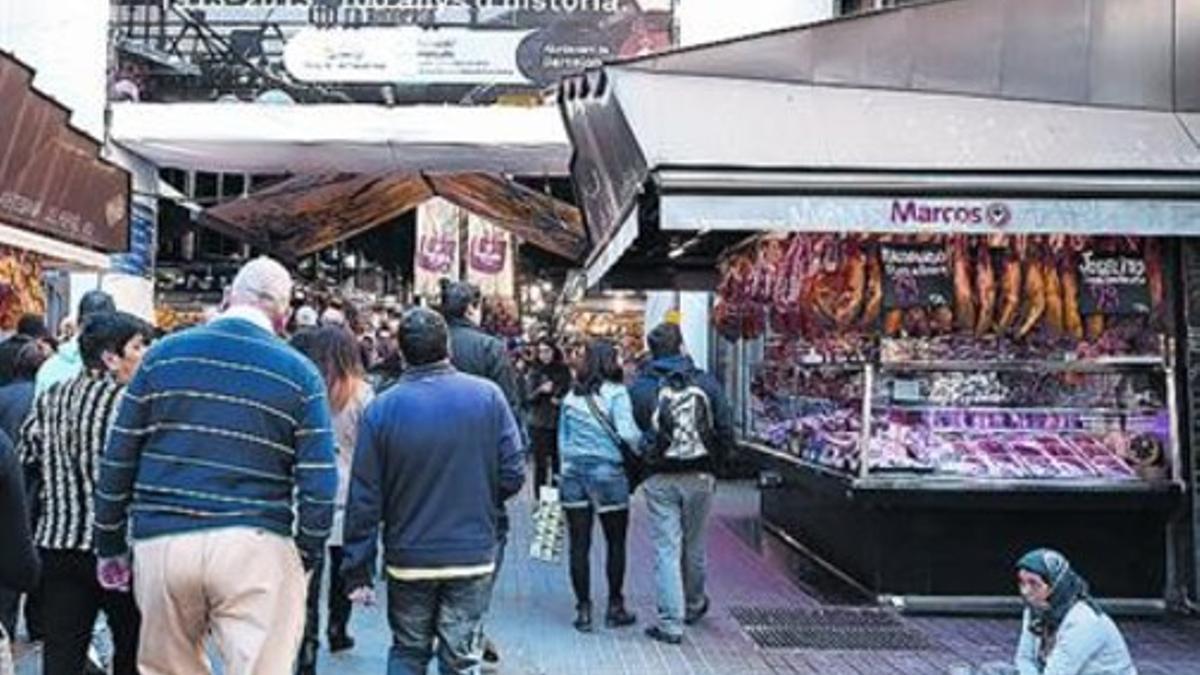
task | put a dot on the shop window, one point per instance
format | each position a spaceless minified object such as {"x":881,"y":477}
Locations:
{"x":205,"y":188}
{"x":232,"y":186}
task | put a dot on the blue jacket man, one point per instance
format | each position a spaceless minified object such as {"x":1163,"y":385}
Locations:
{"x":437,"y":455}
{"x":679,"y":491}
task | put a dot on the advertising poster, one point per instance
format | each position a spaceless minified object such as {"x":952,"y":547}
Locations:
{"x":372,"y":51}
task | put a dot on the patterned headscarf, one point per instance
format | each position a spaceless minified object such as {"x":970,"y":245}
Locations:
{"x":1066,"y":589}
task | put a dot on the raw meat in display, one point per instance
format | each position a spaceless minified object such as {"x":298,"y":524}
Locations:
{"x":941,"y":321}
{"x":985,"y":290}
{"x":964,"y":296}
{"x":768,"y":267}
{"x":916,"y":322}
{"x":1035,"y":297}
{"x":1037,"y":463}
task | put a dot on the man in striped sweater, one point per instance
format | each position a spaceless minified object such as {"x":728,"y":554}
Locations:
{"x":221,"y":467}
{"x":61,"y":443}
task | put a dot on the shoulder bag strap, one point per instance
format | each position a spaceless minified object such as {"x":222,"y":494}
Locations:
{"x":605,"y":422}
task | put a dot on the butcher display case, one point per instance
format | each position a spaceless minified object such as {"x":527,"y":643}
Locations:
{"x":920,"y":462}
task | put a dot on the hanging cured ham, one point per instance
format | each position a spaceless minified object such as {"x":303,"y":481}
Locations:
{"x":1009,"y":301}
{"x":1072,"y":320}
{"x":964,"y":296}
{"x":985,"y":289}
{"x":1054,"y":318}
{"x":1035,"y":296}
{"x":874,"y":302}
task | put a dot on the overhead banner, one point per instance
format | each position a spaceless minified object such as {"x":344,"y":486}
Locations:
{"x":347,"y":50}
{"x":489,"y":258}
{"x":436,"y":258}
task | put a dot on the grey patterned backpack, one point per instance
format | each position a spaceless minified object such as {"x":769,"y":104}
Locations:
{"x":683,"y":420}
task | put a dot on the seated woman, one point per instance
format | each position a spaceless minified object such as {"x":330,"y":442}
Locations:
{"x":1064,"y":631}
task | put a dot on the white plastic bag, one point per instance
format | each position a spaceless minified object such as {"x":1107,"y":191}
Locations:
{"x":549,"y":525}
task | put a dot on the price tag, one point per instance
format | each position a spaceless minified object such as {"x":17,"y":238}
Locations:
{"x":906,"y":391}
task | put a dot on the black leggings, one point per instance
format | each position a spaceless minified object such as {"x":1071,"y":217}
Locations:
{"x":579,"y":526}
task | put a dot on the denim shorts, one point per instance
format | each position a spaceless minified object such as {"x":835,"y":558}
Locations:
{"x":602,"y":486}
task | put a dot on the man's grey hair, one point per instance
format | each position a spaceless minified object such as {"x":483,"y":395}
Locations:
{"x":264,"y":283}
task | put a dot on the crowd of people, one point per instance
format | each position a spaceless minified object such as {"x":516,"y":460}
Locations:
{"x":198,"y":488}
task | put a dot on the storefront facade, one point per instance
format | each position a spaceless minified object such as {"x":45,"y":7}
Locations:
{"x":62,"y":206}
{"x":952,"y":286}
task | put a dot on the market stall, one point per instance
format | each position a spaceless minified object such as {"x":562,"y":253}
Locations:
{"x":930,"y":406}
{"x":952,"y":280}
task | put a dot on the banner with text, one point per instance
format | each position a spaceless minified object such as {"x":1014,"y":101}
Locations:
{"x":436,"y":258}
{"x":373,"y":51}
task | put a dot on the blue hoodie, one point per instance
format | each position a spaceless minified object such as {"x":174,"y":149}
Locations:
{"x":644,"y":393}
{"x":437,"y":453}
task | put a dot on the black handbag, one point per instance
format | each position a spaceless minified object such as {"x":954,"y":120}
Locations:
{"x":633,"y":463}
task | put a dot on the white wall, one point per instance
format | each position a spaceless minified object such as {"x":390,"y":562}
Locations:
{"x":65,"y":41}
{"x":703,"y":21}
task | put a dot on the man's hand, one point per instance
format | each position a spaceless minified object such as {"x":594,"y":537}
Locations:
{"x":546,"y":388}
{"x":363,"y":595}
{"x":115,"y":574}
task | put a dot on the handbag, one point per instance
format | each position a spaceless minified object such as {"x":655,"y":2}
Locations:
{"x":549,"y":525}
{"x":633,"y":463}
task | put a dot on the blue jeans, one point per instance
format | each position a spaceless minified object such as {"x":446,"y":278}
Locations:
{"x":449,"y":611}
{"x":679,"y":506}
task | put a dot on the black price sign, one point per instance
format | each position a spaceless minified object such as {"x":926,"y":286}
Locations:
{"x":1113,"y":284}
{"x":915,"y":276}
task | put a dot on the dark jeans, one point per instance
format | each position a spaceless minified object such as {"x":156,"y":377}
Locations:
{"x":339,"y":602}
{"x":71,"y":600}
{"x":544,"y":445}
{"x":579,"y":527}
{"x":448,"y":613}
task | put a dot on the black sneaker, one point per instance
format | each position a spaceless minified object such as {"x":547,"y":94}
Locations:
{"x":693,"y":617}
{"x":619,"y":617}
{"x":340,"y":641}
{"x":659,"y":635}
{"x":491,"y":656}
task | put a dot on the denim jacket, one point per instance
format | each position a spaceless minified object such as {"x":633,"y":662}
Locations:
{"x":581,"y":438}
{"x":1087,"y":643}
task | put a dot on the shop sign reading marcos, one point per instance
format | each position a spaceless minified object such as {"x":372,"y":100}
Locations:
{"x":995,"y":214}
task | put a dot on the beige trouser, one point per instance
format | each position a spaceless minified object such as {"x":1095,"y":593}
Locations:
{"x":244,"y":586}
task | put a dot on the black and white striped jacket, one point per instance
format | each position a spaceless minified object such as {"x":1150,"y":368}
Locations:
{"x":62,"y":440}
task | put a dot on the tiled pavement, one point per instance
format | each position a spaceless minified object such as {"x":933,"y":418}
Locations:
{"x":533,"y":611}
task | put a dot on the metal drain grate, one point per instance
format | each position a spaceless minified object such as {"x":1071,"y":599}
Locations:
{"x":828,"y":629}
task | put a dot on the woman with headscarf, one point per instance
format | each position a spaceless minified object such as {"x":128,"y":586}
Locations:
{"x":1064,"y":631}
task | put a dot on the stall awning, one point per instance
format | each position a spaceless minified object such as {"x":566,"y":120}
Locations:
{"x":1023,"y":105}
{"x":308,"y":213}
{"x":53,"y":182}
{"x":265,"y":138}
